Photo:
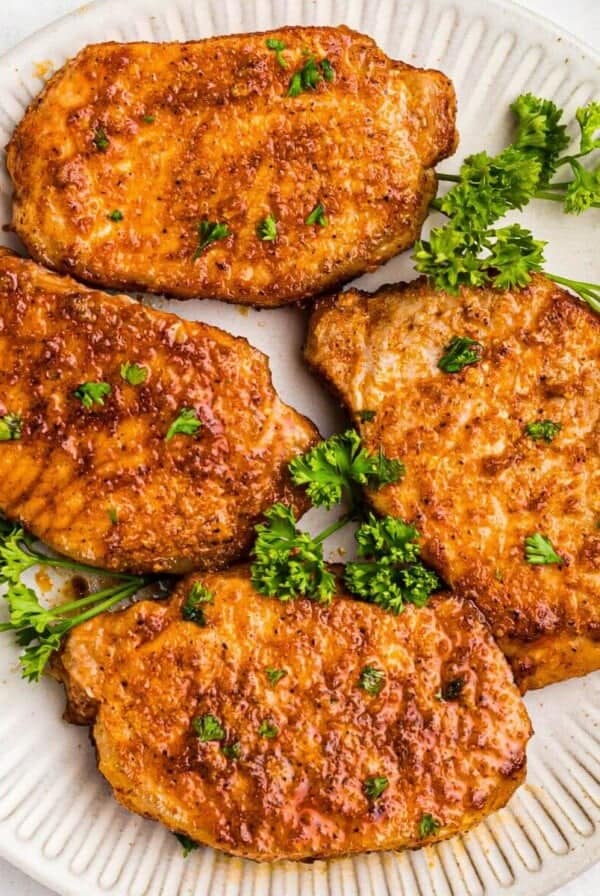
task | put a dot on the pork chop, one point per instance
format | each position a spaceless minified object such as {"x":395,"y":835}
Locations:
{"x":295,"y":730}
{"x":131,"y":439}
{"x":505,"y":450}
{"x":227,"y":169}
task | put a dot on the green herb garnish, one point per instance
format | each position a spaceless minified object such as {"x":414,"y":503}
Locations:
{"x":375,"y":786}
{"x":232,"y":751}
{"x":274,"y":675}
{"x":267,"y":729}
{"x":187,"y":844}
{"x":460,"y":353}
{"x":317,"y":216}
{"x":116,"y":215}
{"x":210,"y":232}
{"x":101,"y":141}
{"x":186,"y":423}
{"x":309,"y":76}
{"x":148,"y":119}
{"x":39,"y":629}
{"x":393,"y":574}
{"x":10,"y":428}
{"x":134,"y":374}
{"x":278,"y":46}
{"x":341,"y":466}
{"x":366,"y":416}
{"x":208,"y":728}
{"x":92,"y":393}
{"x":539,"y":550}
{"x":113,"y":515}
{"x":372,"y":680}
{"x":428,"y":826}
{"x":267,"y":229}
{"x":192,"y":609}
{"x":543,"y":429}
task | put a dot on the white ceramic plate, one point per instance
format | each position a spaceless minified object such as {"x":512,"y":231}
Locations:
{"x":57,"y":819}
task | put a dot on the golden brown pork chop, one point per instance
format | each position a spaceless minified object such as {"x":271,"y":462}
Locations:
{"x":95,"y":471}
{"x":163,"y":137}
{"x":477,"y":484}
{"x":295,"y":736}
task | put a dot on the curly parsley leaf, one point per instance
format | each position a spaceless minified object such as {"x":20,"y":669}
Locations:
{"x":340,"y":465}
{"x":394,"y":575}
{"x":187,"y":844}
{"x":317,"y":216}
{"x":274,"y":675}
{"x":588,"y":119}
{"x":92,"y":393}
{"x":186,"y":423}
{"x":539,"y":550}
{"x":540,"y":132}
{"x":289,"y":563}
{"x":268,"y":729}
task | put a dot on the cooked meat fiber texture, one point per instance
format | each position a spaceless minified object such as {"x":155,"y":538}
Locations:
{"x":102,"y":483}
{"x":448,"y":729}
{"x":166,"y":136}
{"x":477,"y":484}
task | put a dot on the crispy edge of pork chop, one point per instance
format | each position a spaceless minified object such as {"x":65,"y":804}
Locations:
{"x":103,"y":483}
{"x":352,"y":333}
{"x":285,"y":155}
{"x":447,"y":727}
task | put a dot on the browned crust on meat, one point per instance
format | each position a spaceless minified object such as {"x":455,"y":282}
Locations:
{"x":227,"y":144}
{"x":142,"y":675}
{"x":476,"y":485}
{"x":189,"y":503}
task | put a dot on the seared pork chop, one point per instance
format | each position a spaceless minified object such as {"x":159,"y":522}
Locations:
{"x":226,"y":169}
{"x":129,"y":438}
{"x":292,"y":730}
{"x":506,"y":449}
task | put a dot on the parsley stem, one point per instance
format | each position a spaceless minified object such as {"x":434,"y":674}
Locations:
{"x":96,"y":596}
{"x":589,"y":292}
{"x":117,"y":595}
{"x":339,"y":524}
{"x":451,"y":178}
{"x":62,"y":563}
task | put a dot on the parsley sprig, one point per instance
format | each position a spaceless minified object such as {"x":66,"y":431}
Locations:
{"x":40,"y":629}
{"x":470,"y":250}
{"x":341,"y":466}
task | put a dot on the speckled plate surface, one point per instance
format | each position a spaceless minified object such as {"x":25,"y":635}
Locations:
{"x":57,"y":819}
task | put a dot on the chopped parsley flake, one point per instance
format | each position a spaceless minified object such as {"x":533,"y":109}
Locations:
{"x":366,"y":416}
{"x":187,"y":844}
{"x":192,"y":609}
{"x":459,"y":353}
{"x":148,"y":119}
{"x":375,"y":786}
{"x":371,"y":680}
{"x":92,"y":393}
{"x":208,"y":727}
{"x":267,"y":729}
{"x":539,"y":550}
{"x":116,"y":215}
{"x":543,"y":429}
{"x":101,"y":141}
{"x":134,"y":374}
{"x":317,"y":216}
{"x":232,"y":751}
{"x":186,"y":423}
{"x":310,"y":75}
{"x":274,"y":675}
{"x":10,"y":428}
{"x":267,"y":229}
{"x":210,"y":232}
{"x":278,"y":46}
{"x":113,"y":515}
{"x":428,"y":826}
